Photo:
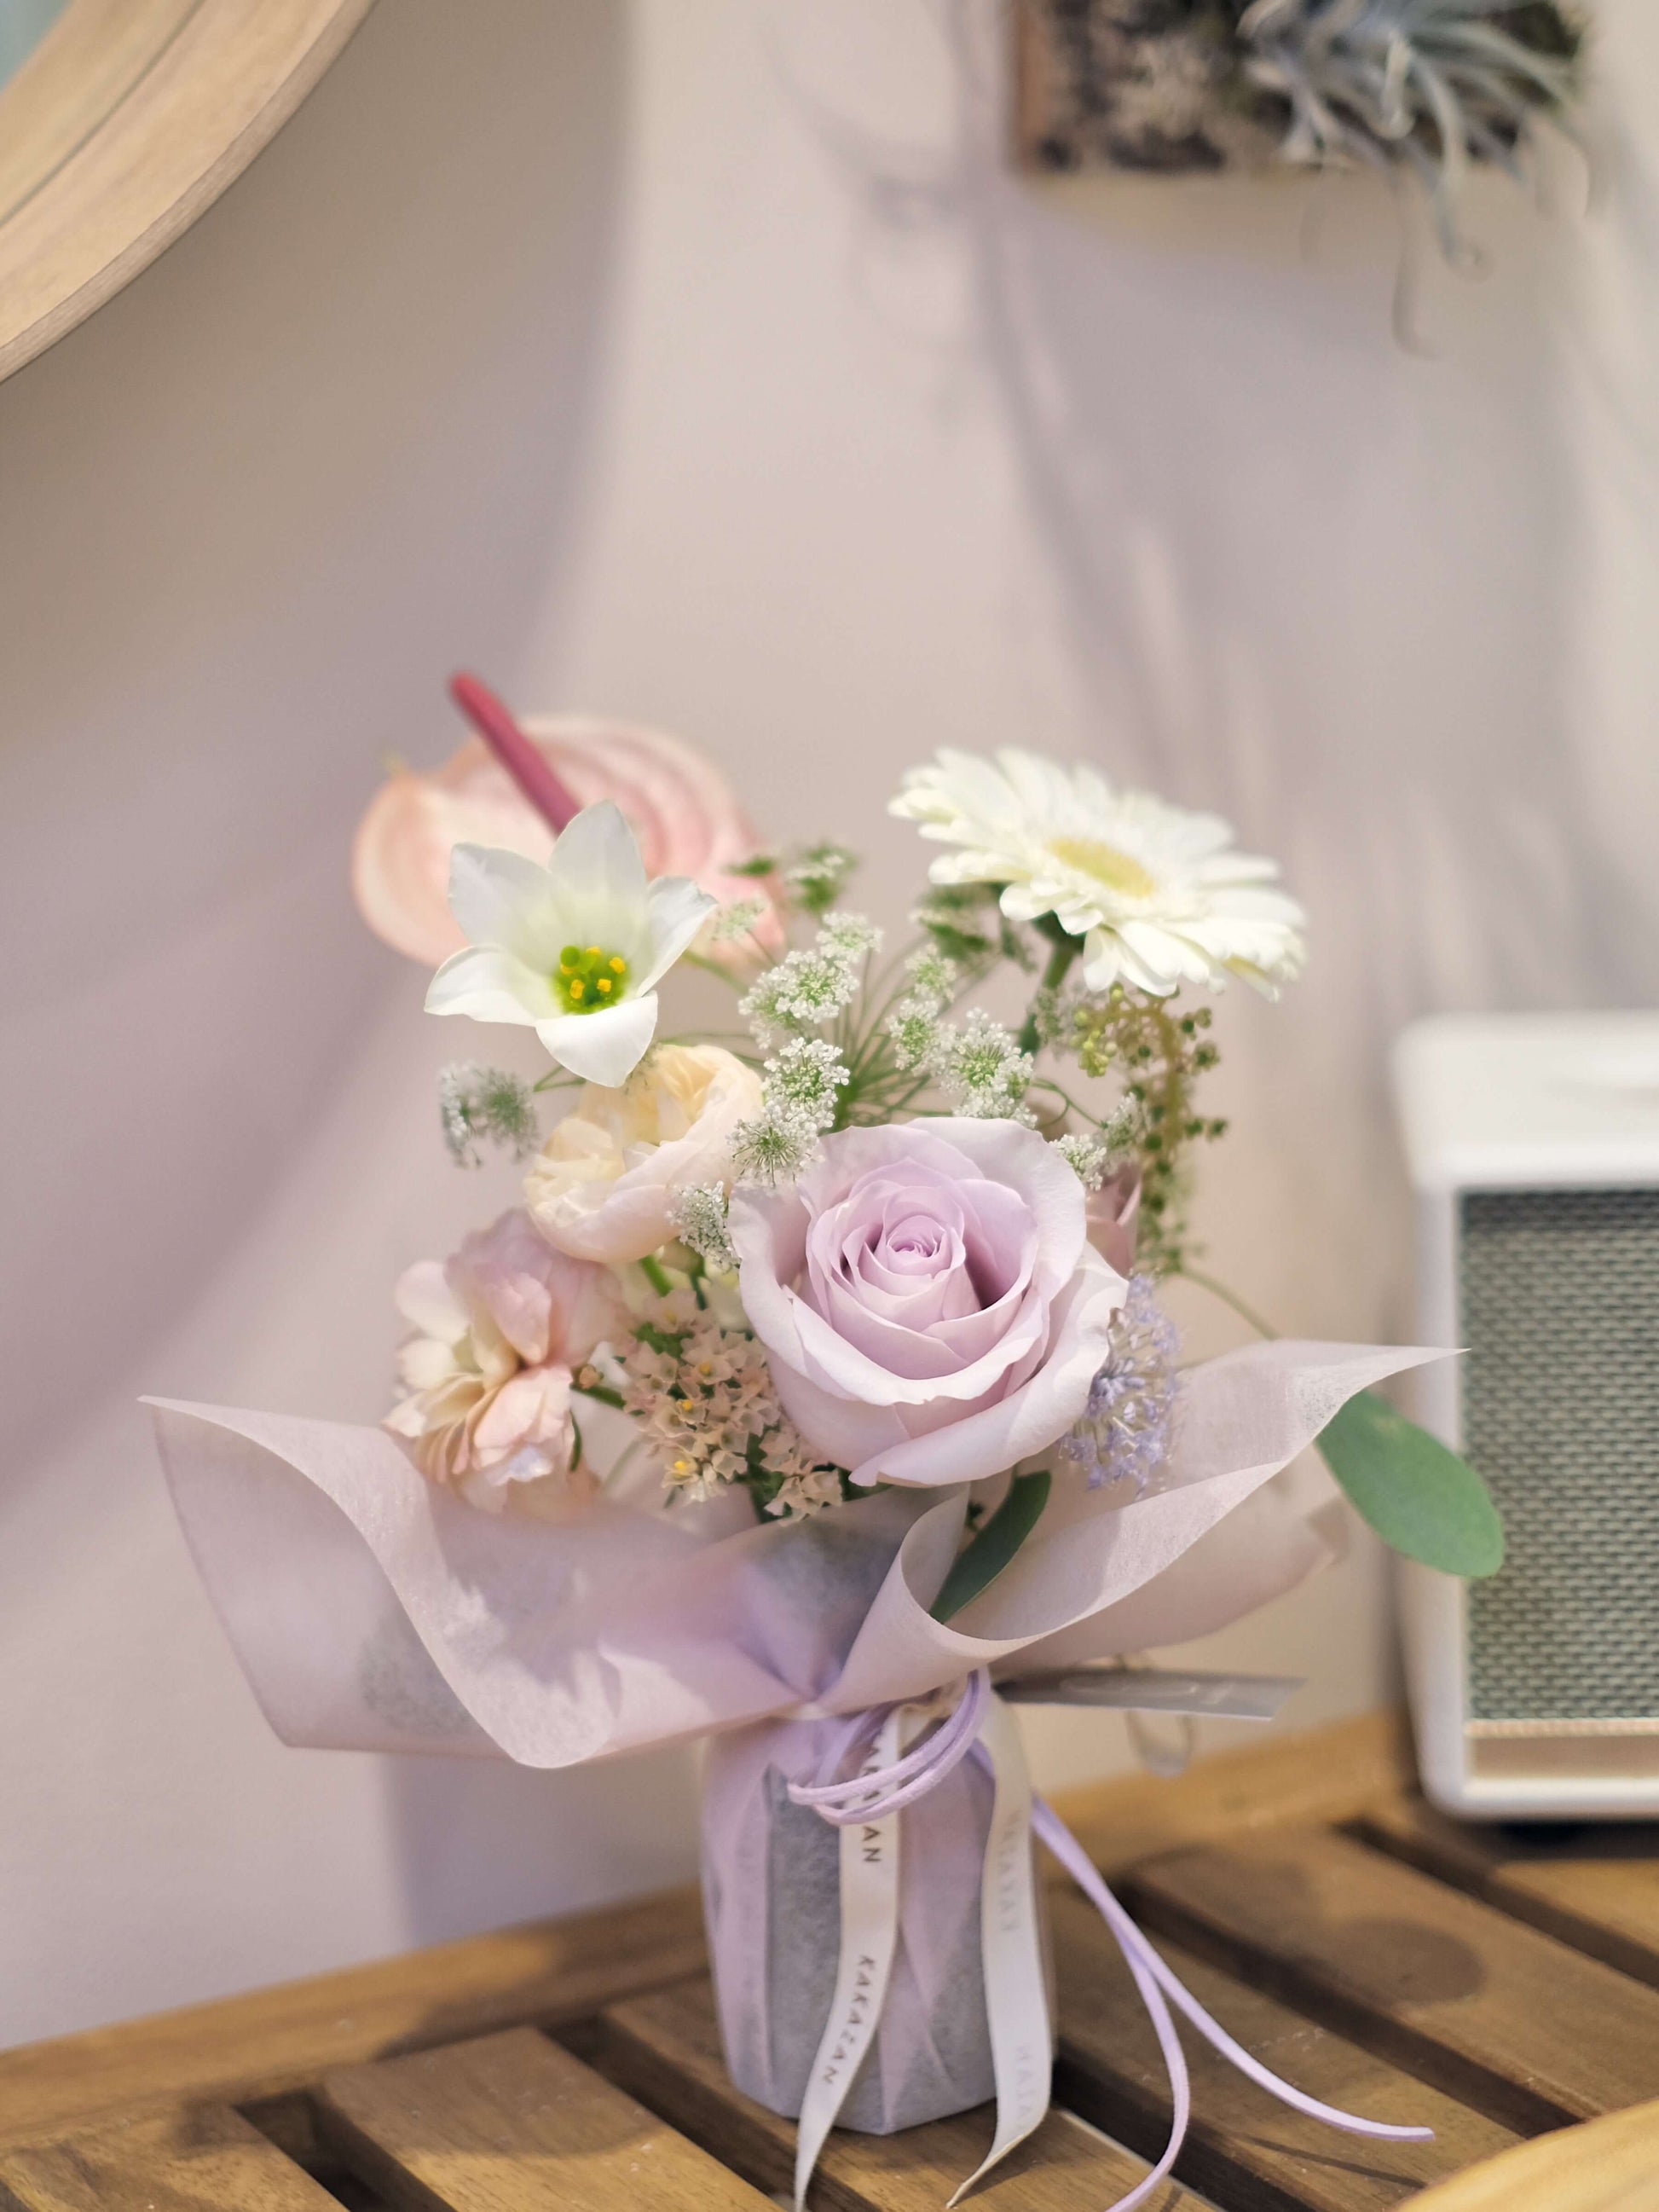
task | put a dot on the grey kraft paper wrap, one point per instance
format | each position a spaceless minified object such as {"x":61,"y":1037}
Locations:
{"x":772,"y":1900}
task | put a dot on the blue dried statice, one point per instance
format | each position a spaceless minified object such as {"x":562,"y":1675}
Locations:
{"x":1125,"y":1434}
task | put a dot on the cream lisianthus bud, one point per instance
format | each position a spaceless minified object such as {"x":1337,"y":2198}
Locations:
{"x":604,"y":1185}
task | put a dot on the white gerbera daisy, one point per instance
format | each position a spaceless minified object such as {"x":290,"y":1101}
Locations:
{"x":574,"y":950}
{"x":1158,"y":896}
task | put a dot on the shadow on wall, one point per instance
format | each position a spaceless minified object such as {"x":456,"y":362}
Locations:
{"x":331,"y":445}
{"x":254,"y":511}
{"x":1302,"y":576}
{"x":601,"y":1827}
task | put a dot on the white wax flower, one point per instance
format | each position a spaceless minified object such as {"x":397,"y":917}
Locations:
{"x":1158,"y":896}
{"x":574,"y":950}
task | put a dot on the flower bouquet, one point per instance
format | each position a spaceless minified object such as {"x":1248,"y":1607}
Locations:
{"x":816,"y":1398}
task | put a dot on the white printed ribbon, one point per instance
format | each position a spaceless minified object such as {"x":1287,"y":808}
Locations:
{"x":866,"y":1807}
{"x":869,"y":1935}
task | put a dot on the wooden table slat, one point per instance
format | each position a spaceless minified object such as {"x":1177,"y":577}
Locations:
{"x":1378,"y":1955}
{"x":1318,"y":1778}
{"x":666,"y":2047}
{"x":275,"y":2040}
{"x":1596,"y":1888}
{"x":510,"y":2122}
{"x":1501,"y":2016}
{"x":1244,"y":2147}
{"x":197,"y":2161}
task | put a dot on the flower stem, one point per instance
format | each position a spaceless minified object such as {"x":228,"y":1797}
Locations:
{"x":1059,"y":967}
{"x":1083,"y":1113}
{"x":601,"y":1392}
{"x":1231,"y":1298}
{"x":714,"y":968}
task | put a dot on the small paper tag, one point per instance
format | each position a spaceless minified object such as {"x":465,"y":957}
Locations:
{"x":1155,"y":1690}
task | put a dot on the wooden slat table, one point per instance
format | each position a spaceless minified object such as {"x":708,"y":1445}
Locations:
{"x":1383,"y":1958}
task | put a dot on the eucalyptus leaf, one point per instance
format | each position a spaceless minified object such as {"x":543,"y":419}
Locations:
{"x":991,"y":1547}
{"x":1419,"y":1497}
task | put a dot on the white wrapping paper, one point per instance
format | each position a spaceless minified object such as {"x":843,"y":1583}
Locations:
{"x":372,"y":1611}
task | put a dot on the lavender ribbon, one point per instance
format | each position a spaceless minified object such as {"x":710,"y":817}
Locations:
{"x":881,"y":1793}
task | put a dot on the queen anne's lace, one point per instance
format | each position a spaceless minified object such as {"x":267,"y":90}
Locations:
{"x":1088,"y":1157}
{"x":699,"y":1213}
{"x":479,"y":1105}
{"x":805,"y":990}
{"x":982,"y":1070}
{"x":806,"y":1079}
{"x":774,"y":1145}
{"x":817,"y":878}
{"x":810,"y":986}
{"x":735,"y":922}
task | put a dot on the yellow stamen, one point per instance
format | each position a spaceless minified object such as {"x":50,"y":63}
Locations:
{"x":588,"y":978}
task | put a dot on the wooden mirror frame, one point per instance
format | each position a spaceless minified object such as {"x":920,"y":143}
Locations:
{"x":128,"y":120}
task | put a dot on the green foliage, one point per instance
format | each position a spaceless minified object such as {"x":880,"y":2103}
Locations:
{"x":967,"y":925}
{"x":994,"y":1544}
{"x":1158,"y":1054}
{"x":1421,"y":1499}
{"x":817,"y":877}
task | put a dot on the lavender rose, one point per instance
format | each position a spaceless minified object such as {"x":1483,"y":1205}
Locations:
{"x":931,"y":1307}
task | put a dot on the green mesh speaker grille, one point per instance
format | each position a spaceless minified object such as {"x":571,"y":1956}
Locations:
{"x":1560,"y":1403}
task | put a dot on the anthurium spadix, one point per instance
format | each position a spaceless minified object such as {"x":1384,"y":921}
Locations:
{"x":574,"y":950}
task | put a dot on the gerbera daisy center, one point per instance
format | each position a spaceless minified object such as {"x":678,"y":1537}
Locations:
{"x":589,"y":977}
{"x":1117,"y":871}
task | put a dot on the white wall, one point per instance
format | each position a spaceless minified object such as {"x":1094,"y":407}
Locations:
{"x":707,"y":365}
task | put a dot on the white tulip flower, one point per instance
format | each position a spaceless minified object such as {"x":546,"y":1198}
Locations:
{"x":574,"y":950}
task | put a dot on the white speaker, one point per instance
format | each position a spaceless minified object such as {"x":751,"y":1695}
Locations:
{"x":1534,"y":1146}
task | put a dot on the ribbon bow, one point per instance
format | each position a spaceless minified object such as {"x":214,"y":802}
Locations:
{"x":865,"y":1806}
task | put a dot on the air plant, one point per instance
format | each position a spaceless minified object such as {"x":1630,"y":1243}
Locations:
{"x":1412,"y":88}
{"x":1432,"y":84}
